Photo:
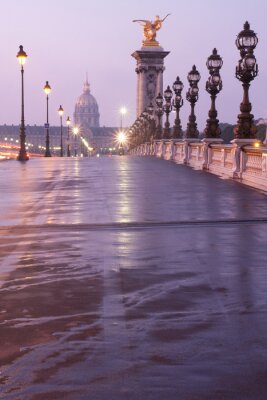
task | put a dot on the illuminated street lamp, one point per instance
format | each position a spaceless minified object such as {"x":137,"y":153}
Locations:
{"x":75,"y":133}
{"x":246,"y":71}
{"x":193,"y":78}
{"x":167,"y":108}
{"x":47,"y":90}
{"x":68,"y":122}
{"x":152,"y":122}
{"x":61,"y":112}
{"x":213,"y":87}
{"x":177,"y":103}
{"x":22,"y":156}
{"x":159,"y":113}
{"x":123,"y":112}
{"x":121,"y":138}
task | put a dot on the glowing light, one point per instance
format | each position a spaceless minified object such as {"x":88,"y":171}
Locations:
{"x":123,"y":110}
{"x":47,"y":88}
{"x":21,"y":56}
{"x":60,"y":111}
{"x":256,"y":144}
{"x":75,"y":130}
{"x":121,"y":138}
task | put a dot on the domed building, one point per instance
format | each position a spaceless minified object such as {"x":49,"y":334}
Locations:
{"x":86,"y":118}
{"x":86,"y":114}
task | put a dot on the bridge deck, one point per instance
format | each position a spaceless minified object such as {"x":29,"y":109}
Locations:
{"x":131,"y":278}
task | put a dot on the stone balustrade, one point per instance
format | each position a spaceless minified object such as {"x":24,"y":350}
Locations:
{"x":240,"y":160}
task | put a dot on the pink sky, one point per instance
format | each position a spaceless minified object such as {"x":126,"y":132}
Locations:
{"x":66,"y":38}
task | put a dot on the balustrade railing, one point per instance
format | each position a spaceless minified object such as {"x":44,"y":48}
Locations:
{"x":245,"y":163}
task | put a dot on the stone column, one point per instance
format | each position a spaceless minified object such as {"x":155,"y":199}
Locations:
{"x":149,"y":69}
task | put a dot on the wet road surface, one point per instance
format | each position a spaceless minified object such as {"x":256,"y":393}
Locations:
{"x":133,"y":278}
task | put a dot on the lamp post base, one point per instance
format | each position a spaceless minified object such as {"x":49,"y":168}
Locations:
{"x":48,"y":154}
{"x":23,"y":156}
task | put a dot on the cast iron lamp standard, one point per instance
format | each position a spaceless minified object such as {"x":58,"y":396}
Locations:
{"x":192,"y":96}
{"x":141,"y":127}
{"x":246,"y":71}
{"x":138,"y":125}
{"x":47,"y":90}
{"x":22,"y":156}
{"x":177,"y":103}
{"x":159,"y":114}
{"x":68,"y":122}
{"x":146,"y":126}
{"x":167,"y":108}
{"x":213,"y":87}
{"x":75,"y":133}
{"x":152,"y":125}
{"x":61,"y":112}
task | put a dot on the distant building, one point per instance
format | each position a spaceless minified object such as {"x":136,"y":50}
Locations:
{"x":86,"y":114}
{"x":86,"y":117}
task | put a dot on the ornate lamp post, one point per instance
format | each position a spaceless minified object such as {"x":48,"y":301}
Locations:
{"x":75,"y":132}
{"x":142,"y":128}
{"x":246,"y":71}
{"x":159,"y":113}
{"x":177,"y":103}
{"x":213,"y":87}
{"x":47,"y":90}
{"x":151,"y":119}
{"x":68,"y":122}
{"x":22,"y":156}
{"x":138,"y":125}
{"x":167,"y":109}
{"x":192,"y":96}
{"x":61,"y":112}
{"x":146,"y":124}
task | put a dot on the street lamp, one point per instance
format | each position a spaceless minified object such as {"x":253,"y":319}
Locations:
{"x":213,"y":87}
{"x":246,"y":71}
{"x":159,"y":113}
{"x":61,"y":112}
{"x":47,"y":90}
{"x":68,"y":122}
{"x":177,"y":103}
{"x":75,"y":132}
{"x":22,"y":156}
{"x":193,"y":78}
{"x":167,"y":109}
{"x":151,"y":120}
{"x":123,"y":112}
{"x":121,"y":139}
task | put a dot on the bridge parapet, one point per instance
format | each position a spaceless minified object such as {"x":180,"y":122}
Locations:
{"x":244,"y":161}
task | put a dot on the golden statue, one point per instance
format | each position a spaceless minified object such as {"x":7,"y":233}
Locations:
{"x":150,"y":29}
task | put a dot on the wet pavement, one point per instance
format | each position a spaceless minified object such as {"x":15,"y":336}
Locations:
{"x":127,"y":277}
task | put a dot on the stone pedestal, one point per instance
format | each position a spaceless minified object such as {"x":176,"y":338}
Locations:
{"x":238,"y":145}
{"x":206,"y":151}
{"x":149,"y":69}
{"x":187,"y":142}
